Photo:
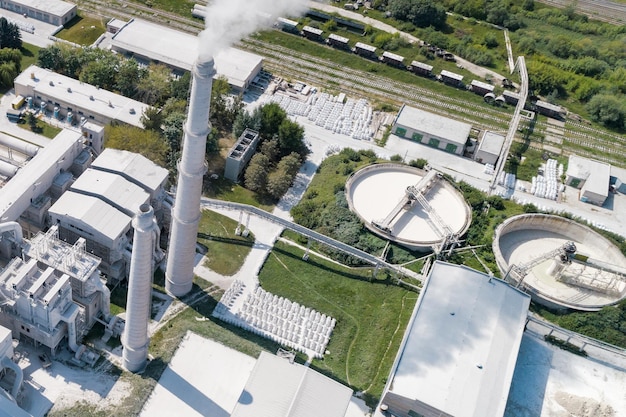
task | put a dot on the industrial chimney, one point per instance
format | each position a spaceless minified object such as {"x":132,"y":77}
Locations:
{"x":135,"y":337}
{"x":191,"y":169}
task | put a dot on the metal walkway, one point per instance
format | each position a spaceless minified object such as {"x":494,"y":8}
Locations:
{"x":318,"y":237}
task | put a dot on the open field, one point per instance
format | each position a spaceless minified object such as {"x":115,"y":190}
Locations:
{"x":83,"y":30}
{"x":371,"y":314}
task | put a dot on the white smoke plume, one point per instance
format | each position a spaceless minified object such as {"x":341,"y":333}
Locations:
{"x":228,"y":21}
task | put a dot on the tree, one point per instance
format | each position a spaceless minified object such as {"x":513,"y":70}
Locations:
{"x":145,"y":142}
{"x":255,"y":177}
{"x":271,"y":118}
{"x":100,"y":73}
{"x":246,"y":120}
{"x":608,"y":110}
{"x":50,"y":57}
{"x":278,"y":183}
{"x":290,"y":164}
{"x":127,"y":77}
{"x":10,"y":36}
{"x":180,"y":87}
{"x":271,"y":149}
{"x":152,"y":119}
{"x":10,"y":65}
{"x":421,"y":13}
{"x":154,"y":87}
{"x":291,"y":138}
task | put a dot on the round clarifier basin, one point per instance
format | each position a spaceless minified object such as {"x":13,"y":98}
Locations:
{"x":523,"y":239}
{"x":374,"y":192}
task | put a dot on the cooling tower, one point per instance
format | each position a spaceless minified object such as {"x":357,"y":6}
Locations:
{"x":191,"y":169}
{"x":135,"y":337}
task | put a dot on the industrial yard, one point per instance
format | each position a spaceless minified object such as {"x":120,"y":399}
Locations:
{"x":385,"y":199}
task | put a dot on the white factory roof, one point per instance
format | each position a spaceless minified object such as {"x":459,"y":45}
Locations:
{"x":81,"y":95}
{"x":452,"y":75}
{"x":462,"y":343}
{"x":91,"y":211}
{"x":29,"y":175}
{"x":54,"y":7}
{"x":434,"y":125}
{"x":597,"y":174}
{"x":180,"y":50}
{"x":312,"y":30}
{"x":482,"y":85}
{"x":133,"y":167}
{"x":491,"y":143}
{"x":278,"y":388}
{"x":111,"y":188}
{"x":287,"y":22}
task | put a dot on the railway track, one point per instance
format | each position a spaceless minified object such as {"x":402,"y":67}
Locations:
{"x":606,"y":11}
{"x":317,"y":71}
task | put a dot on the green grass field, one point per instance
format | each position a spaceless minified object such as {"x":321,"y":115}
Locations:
{"x":42,"y":128}
{"x":371,"y":314}
{"x":226,"y":251}
{"x":223,"y":189}
{"x":83,"y":30}
{"x":29,"y":55}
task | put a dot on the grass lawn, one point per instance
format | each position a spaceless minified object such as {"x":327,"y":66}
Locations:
{"x":223,"y":189}
{"x":42,"y":128}
{"x":371,"y":314}
{"x":180,"y":7}
{"x":29,"y":55}
{"x":83,"y":30}
{"x":226,"y":251}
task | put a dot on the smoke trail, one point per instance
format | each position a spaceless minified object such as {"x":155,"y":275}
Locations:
{"x":228,"y":21}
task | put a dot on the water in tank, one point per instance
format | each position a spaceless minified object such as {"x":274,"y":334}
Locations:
{"x":56,"y":112}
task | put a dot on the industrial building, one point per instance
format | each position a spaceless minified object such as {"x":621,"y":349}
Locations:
{"x":451,"y":78}
{"x":303,"y":392}
{"x":99,"y":206}
{"x":420,"y":68}
{"x":510,"y":97}
{"x":55,"y":12}
{"x":51,"y":291}
{"x":590,"y":177}
{"x":431,"y":129}
{"x":489,"y":148}
{"x":459,"y":352}
{"x":75,"y":101}
{"x":178,"y":50}
{"x":240,"y":154}
{"x":480,"y":87}
{"x":28,"y":189}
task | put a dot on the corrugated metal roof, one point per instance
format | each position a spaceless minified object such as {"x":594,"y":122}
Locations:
{"x":278,"y":388}
{"x":132,"y":166}
{"x":111,"y":188}
{"x":91,"y":214}
{"x":462,"y":343}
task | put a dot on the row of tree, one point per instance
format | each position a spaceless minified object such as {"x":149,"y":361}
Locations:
{"x":10,"y":56}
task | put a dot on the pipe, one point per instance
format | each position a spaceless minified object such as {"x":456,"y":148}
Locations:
{"x":69,"y":317}
{"x":7,"y":170}
{"x":18,"y":145}
{"x":19,"y":375}
{"x":135,"y":338}
{"x":191,"y":169}
{"x":105,"y":298}
{"x":15,"y":228}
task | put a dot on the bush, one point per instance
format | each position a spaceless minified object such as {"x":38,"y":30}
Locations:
{"x":418,"y":163}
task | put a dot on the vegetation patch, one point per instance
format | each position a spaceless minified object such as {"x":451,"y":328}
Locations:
{"x":564,"y":345}
{"x":371,"y":313}
{"x":83,"y":30}
{"x":226,"y":251}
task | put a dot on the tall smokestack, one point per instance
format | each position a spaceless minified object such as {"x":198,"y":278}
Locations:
{"x":135,"y":337}
{"x":191,"y":169}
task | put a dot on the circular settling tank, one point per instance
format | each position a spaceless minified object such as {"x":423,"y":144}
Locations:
{"x":594,"y":278}
{"x":419,"y":219}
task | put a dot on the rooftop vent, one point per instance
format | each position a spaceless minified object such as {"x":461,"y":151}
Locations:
{"x":91,"y":98}
{"x":32,"y":75}
{"x":52,"y":83}
{"x":69,"y":90}
{"x":131,"y":111}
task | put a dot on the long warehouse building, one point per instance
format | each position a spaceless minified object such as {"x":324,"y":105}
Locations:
{"x":179,"y":50}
